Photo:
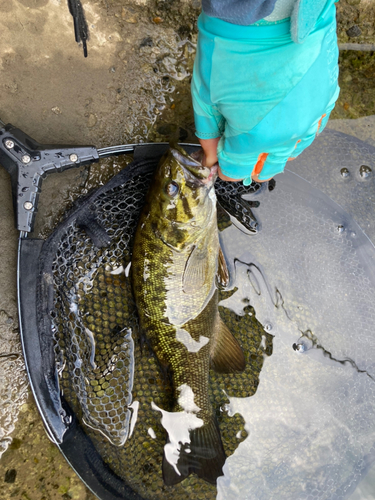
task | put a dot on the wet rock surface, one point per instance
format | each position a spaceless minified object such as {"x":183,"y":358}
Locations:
{"x":357,"y":83}
{"x":33,"y":468}
{"x":356,"y":24}
{"x":355,"y":19}
{"x":134,"y":86}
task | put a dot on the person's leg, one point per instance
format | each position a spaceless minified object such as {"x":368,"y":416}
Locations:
{"x":209,"y":147}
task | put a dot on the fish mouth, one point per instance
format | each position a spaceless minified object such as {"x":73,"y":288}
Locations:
{"x":194,"y":171}
{"x":213,"y":173}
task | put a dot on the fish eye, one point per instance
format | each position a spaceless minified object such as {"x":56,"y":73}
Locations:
{"x":171,"y":189}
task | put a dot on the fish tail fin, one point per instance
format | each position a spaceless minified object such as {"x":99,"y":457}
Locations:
{"x":204,"y":455}
{"x":226,"y":353}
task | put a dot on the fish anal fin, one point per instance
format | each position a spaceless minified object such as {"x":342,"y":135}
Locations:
{"x":226,"y":353}
{"x":196,"y":271}
{"x":222,"y":270}
{"x":204,"y":456}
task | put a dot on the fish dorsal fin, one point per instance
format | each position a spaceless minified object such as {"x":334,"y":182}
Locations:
{"x":222,"y":271}
{"x":226,"y":353}
{"x":196,"y":271}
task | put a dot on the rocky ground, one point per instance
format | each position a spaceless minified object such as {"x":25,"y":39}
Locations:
{"x":134,"y":86}
{"x":356,"y":24}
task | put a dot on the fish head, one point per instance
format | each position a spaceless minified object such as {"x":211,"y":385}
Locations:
{"x":183,"y":196}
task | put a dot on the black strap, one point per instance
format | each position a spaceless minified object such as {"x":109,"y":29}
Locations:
{"x":81,"y":30}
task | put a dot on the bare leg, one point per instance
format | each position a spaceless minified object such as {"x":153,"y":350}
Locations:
{"x":225,"y":178}
{"x":253,"y":177}
{"x":209,"y":147}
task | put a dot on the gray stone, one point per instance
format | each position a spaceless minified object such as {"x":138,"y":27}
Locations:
{"x":354,"y":31}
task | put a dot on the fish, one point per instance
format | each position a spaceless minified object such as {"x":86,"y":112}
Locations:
{"x":177,"y":267}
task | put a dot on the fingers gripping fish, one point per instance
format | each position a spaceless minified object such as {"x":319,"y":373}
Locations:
{"x":176,"y":262}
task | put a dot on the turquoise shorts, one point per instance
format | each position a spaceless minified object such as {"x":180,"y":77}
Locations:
{"x":265,"y":96}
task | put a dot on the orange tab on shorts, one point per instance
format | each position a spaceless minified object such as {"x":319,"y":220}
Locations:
{"x":320,"y":123}
{"x":259,"y":164}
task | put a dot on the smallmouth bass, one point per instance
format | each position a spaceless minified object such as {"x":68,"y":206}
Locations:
{"x":176,"y":262}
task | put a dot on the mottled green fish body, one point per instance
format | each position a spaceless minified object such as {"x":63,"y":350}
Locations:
{"x":175,"y":264}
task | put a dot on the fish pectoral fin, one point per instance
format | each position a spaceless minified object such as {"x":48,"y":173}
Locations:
{"x":196,"y":271}
{"x":204,"y":456}
{"x":226,"y":353}
{"x":222,"y":271}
